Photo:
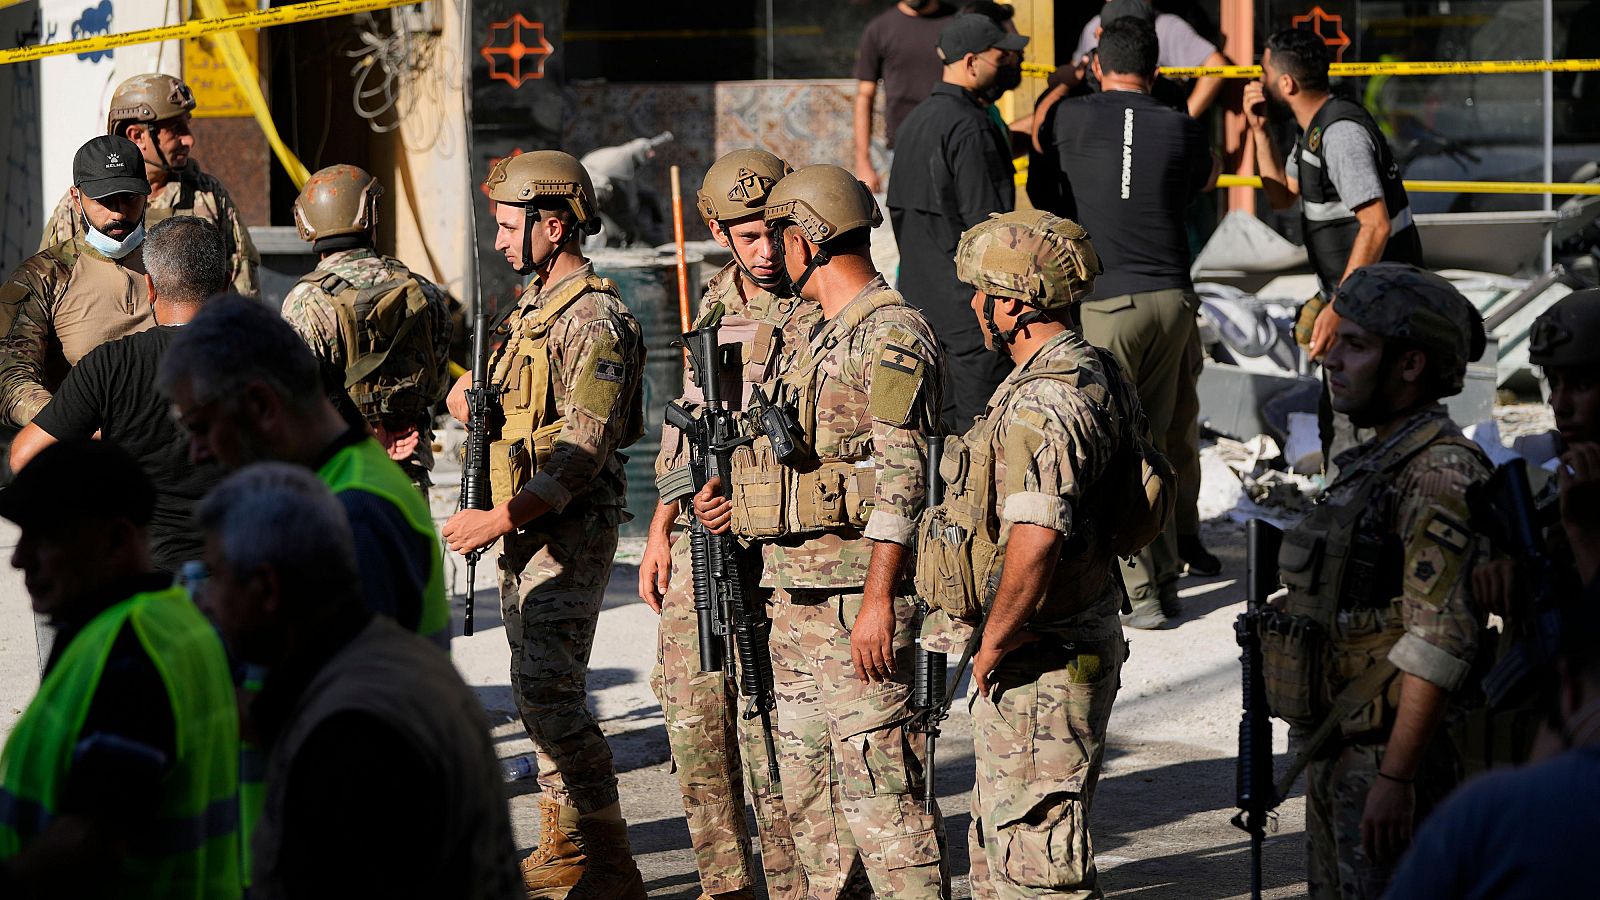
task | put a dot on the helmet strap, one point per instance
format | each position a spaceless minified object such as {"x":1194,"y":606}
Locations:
{"x":818,"y":260}
{"x":778,"y":285}
{"x":530,"y":218}
{"x":161,"y":162}
{"x":1004,"y":339}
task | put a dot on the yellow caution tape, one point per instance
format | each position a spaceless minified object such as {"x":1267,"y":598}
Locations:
{"x":1455,"y":187}
{"x":249,"y":82}
{"x":1361,"y":69}
{"x":266,"y":18}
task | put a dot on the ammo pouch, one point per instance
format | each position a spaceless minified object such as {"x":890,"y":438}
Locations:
{"x":772,"y":500}
{"x":836,"y":494}
{"x":1363,"y":638}
{"x":957,"y":548}
{"x":1292,"y":650}
{"x":756,"y":489}
{"x":513,"y":462}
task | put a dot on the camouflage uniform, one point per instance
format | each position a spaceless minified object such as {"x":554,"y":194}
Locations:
{"x":57,"y":306}
{"x":310,"y":309}
{"x":189,"y":192}
{"x":707,"y":735}
{"x":1410,"y":489}
{"x":845,"y":749}
{"x":553,"y":572}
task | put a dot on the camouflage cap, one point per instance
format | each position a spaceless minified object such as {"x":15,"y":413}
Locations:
{"x":1403,"y":302}
{"x":148,"y":98}
{"x":736,"y":186}
{"x":1568,"y":333}
{"x":1029,"y":255}
{"x":825,"y":201}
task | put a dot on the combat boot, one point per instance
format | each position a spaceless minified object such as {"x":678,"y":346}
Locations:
{"x":610,"y":873}
{"x":1147,"y":615}
{"x":556,"y":865}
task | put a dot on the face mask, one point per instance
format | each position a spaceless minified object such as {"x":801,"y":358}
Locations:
{"x":111,"y":247}
{"x":1005,"y":79}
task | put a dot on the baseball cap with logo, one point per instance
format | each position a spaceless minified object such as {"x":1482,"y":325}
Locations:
{"x":972,"y":33}
{"x":108,"y":165}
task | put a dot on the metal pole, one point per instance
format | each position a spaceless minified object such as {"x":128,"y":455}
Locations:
{"x":1547,"y":80}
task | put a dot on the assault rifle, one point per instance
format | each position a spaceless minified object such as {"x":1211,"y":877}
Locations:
{"x":1504,"y":507}
{"x":1257,"y":795}
{"x":732,"y":627}
{"x":929,"y":669}
{"x":475,"y":452}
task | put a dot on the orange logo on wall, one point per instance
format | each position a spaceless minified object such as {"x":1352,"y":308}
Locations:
{"x":1327,"y":26}
{"x":512,"y":41}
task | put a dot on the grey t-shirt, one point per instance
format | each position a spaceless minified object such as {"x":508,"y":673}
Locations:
{"x":1352,"y":163}
{"x":1181,"y":45}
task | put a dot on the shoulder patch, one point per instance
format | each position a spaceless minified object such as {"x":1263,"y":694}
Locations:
{"x":897,"y":380}
{"x":1024,"y":435}
{"x":1436,"y":557}
{"x":600,"y":382}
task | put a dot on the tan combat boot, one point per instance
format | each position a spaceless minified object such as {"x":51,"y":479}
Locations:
{"x":611,"y":873}
{"x":554,"y":866}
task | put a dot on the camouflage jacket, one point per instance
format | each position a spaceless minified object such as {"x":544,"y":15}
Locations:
{"x":57,"y":306}
{"x":859,"y":396}
{"x":311,"y":311}
{"x":793,"y":316}
{"x":192,"y":193}
{"x":595,"y":337}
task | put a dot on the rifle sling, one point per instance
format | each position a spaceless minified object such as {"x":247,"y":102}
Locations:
{"x":1355,"y":695}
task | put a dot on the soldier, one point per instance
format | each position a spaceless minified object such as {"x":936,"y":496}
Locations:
{"x":1045,"y":475}
{"x":153,"y":112}
{"x":570,"y":372}
{"x":838,"y":530}
{"x":707,"y":735}
{"x":63,"y":302}
{"x":380,"y":331}
{"x":1378,"y":630}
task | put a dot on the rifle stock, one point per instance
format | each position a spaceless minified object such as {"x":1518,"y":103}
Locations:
{"x":475,"y":454}
{"x":1257,"y":795}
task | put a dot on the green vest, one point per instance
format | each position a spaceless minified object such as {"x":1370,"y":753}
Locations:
{"x":366,"y":467}
{"x":192,"y":848}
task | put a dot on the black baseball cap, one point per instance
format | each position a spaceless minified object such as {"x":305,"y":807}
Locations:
{"x":76,"y":480}
{"x":109,"y":164}
{"x":972,"y":33}
{"x":1127,"y":9}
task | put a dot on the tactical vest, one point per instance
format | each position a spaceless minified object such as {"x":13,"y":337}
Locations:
{"x":1343,"y":568}
{"x":773,"y":500}
{"x":960,"y":550}
{"x":386,"y":334}
{"x":1330,"y":227}
{"x":191,"y":847}
{"x":100,"y":301}
{"x":530,"y":419}
{"x":365,"y":466}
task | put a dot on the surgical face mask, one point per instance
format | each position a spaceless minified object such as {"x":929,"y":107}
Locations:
{"x":112,"y":248}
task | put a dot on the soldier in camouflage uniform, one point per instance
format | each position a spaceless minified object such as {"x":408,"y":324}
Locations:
{"x":65,"y":301}
{"x":569,"y":375}
{"x":1036,"y":475}
{"x":865,"y":391}
{"x":707,"y":735}
{"x":349,"y":330}
{"x":1385,"y":632}
{"x":153,"y":112}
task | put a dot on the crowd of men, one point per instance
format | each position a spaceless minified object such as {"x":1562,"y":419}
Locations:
{"x":250,"y":692}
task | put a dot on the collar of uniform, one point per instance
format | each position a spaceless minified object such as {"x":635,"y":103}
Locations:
{"x":287,"y":681}
{"x":583,"y":271}
{"x":99,"y":602}
{"x":344,"y":256}
{"x":1043,"y":353}
{"x":876,"y":285}
{"x":1357,"y":458}
{"x":956,"y":90}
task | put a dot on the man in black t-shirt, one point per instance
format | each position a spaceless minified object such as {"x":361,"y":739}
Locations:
{"x":1128,"y":166}
{"x":897,"y":47}
{"x":112,"y":391}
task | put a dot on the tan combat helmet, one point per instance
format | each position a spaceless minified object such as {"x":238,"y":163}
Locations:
{"x":1030,"y":255}
{"x":147,"y":98}
{"x":736,"y":186}
{"x":526,"y":178}
{"x":338,"y":200}
{"x":825,"y":201}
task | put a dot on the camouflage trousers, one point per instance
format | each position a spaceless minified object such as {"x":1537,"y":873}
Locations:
{"x":709,"y":739}
{"x":551,"y":586}
{"x":852,"y":769}
{"x":1336,"y":798}
{"x":1039,"y":738}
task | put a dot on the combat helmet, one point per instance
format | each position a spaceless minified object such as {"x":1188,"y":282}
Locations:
{"x":147,"y":98}
{"x":825,"y":201}
{"x":339,"y":200}
{"x":1399,"y":301}
{"x":736,"y":186}
{"x":1568,"y":333}
{"x":1030,"y":255}
{"x":526,"y":178}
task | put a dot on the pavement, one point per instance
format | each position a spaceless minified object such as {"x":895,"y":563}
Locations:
{"x":1160,"y":823}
